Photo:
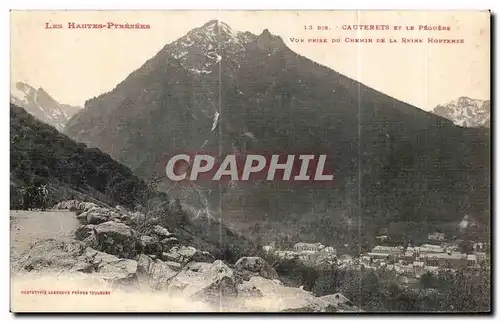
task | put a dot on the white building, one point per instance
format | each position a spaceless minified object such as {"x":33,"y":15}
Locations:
{"x":436,"y":236}
{"x":300,"y":247}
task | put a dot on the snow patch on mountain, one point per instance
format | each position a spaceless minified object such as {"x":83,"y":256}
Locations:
{"x":216,"y":120}
{"x":202,"y":48}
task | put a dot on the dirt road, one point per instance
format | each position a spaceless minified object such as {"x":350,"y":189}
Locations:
{"x":28,"y":227}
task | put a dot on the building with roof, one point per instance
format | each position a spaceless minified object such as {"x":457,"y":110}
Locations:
{"x":444,"y":260}
{"x":393,"y":250}
{"x":300,"y":247}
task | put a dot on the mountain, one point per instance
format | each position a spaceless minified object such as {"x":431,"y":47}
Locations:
{"x":223,"y":91}
{"x":466,"y":112}
{"x":40,"y":104}
{"x":38,"y":152}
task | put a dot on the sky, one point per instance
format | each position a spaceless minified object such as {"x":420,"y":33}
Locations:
{"x":74,"y":65}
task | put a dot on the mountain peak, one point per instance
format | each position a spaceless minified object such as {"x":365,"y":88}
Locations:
{"x":203,"y":47}
{"x":466,"y":111}
{"x":40,"y":104}
{"x":214,"y":29}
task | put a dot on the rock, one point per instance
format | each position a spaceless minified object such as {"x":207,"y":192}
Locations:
{"x":161,"y":232}
{"x":202,"y":256}
{"x":68,"y":205}
{"x":122,"y":271}
{"x":113,"y":214}
{"x":247,"y":267}
{"x":144,"y":264}
{"x":179,"y":254}
{"x":97,"y":216}
{"x":168,"y":243}
{"x":271,"y":296}
{"x":205,"y":281}
{"x":86,"y":206}
{"x":121,"y":210}
{"x":249,"y":291}
{"x":339,"y":302}
{"x":173,"y":265}
{"x":75,"y":205}
{"x":111,"y":268}
{"x":82,"y":218}
{"x":83,"y":232}
{"x":126,"y":219}
{"x":91,"y":241}
{"x":83,"y":267}
{"x":160,"y":276}
{"x":151,"y":245}
{"x":116,"y":239}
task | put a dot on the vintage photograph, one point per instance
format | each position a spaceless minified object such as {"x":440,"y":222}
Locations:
{"x":250,"y":161}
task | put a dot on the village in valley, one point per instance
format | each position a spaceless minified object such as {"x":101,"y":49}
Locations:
{"x":410,"y":262}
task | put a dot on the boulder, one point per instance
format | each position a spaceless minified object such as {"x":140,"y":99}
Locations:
{"x":86,"y":206}
{"x":75,"y":205}
{"x":111,"y":268}
{"x":144,"y":264}
{"x":206,"y":281}
{"x":271,"y":296}
{"x":246,"y":290}
{"x":82,"y":217}
{"x":116,"y":239}
{"x":150,"y":245}
{"x":202,"y":256}
{"x":91,"y":241}
{"x":179,"y":254}
{"x":160,"y":275}
{"x":173,"y":265}
{"x":161,"y":232}
{"x":168,"y":243}
{"x":83,"y":232}
{"x":247,"y":267}
{"x":97,"y":216}
{"x":68,"y":205}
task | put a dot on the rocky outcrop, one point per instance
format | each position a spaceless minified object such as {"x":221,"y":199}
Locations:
{"x":247,"y":267}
